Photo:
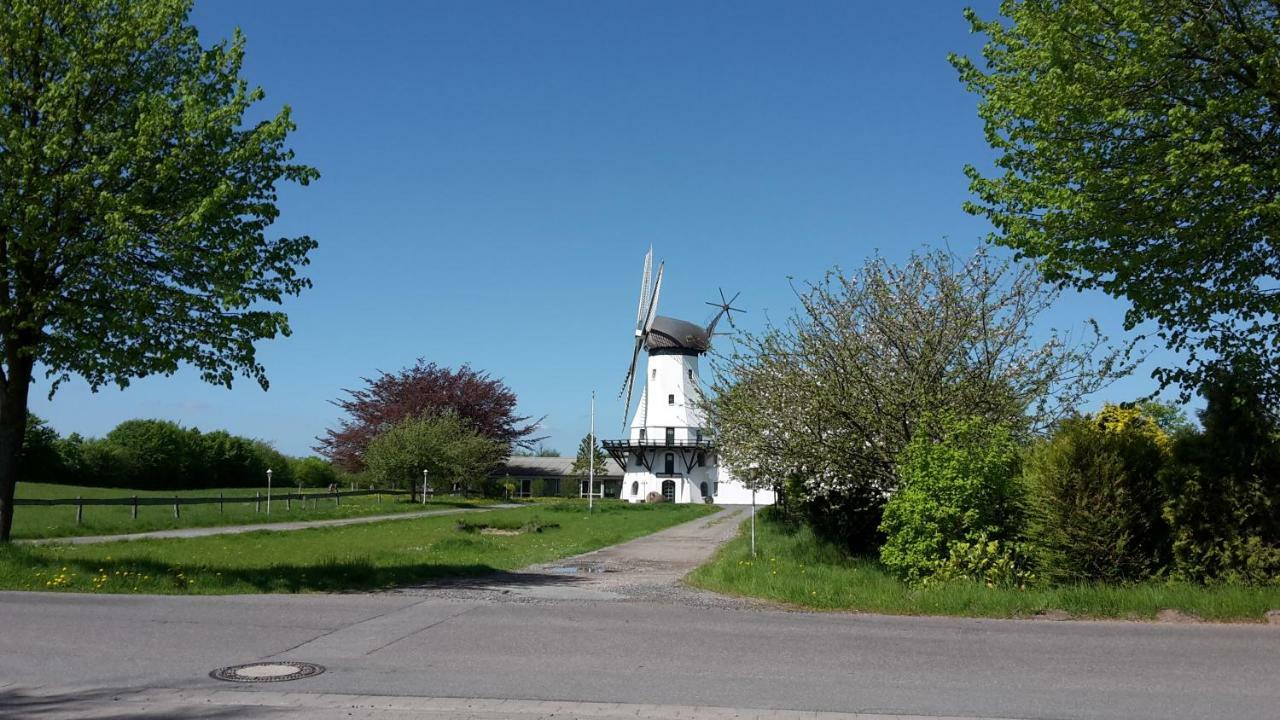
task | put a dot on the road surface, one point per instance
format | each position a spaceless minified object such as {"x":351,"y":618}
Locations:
{"x":547,"y":642}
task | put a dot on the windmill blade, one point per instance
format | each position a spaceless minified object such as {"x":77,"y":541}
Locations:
{"x":729,"y":309}
{"x":653,"y":303}
{"x":629,"y":384}
{"x":644,"y":286}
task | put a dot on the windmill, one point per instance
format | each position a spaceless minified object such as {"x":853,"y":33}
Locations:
{"x":670,"y":452}
{"x":646,"y":313}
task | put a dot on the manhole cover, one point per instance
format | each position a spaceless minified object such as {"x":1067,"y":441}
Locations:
{"x":267,"y":672}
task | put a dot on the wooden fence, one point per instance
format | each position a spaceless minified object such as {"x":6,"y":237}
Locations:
{"x":177,"y":501}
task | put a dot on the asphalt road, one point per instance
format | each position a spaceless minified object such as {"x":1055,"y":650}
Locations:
{"x":538,"y":648}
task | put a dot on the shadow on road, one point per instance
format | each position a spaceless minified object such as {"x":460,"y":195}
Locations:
{"x":27,"y":704}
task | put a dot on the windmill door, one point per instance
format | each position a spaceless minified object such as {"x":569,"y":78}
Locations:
{"x":669,"y":490}
{"x":669,"y":464}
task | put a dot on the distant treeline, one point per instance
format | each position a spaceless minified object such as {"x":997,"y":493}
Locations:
{"x":162,"y":455}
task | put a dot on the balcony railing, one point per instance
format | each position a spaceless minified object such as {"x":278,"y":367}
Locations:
{"x":658,"y":443}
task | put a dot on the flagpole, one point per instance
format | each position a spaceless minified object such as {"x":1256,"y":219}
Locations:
{"x":591,"y":453}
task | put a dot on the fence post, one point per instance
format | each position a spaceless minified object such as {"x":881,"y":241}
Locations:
{"x":79,"y":510}
{"x":257,"y":501}
{"x":219,"y":503}
{"x":134,"y":509}
{"x":337,"y":498}
{"x":176,"y":505}
{"x":288,"y":503}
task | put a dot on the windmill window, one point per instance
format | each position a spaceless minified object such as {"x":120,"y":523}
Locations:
{"x":653,"y":373}
{"x":639,"y":460}
{"x":642,"y":433}
{"x":702,"y":461}
{"x":635,"y":489}
{"x":690,"y":373}
{"x":671,"y":399}
{"x":670,"y":464}
{"x":671,"y":436}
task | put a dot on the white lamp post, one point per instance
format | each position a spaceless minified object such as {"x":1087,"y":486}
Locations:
{"x":424,"y":486}
{"x":591,"y":454}
{"x":268,"y":492}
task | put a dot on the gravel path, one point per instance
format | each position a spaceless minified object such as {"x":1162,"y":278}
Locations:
{"x":646,"y":569}
{"x":275,"y":527}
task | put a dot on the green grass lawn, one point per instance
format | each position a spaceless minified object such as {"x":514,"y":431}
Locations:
{"x":239,"y":509}
{"x":357,"y":557}
{"x":793,"y":567}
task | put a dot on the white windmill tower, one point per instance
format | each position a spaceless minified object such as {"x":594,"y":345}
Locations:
{"x":669,"y":451}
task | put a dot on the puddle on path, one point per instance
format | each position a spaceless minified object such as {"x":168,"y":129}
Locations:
{"x":577,"y":569}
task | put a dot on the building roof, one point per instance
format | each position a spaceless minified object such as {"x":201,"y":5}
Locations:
{"x":670,"y":333}
{"x":521,"y":466}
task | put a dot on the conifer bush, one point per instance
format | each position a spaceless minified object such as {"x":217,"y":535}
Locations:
{"x":1095,"y":501}
{"x":1224,"y":488}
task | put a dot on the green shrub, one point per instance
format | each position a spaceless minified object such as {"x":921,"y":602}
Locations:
{"x":1224,"y":487}
{"x":314,"y":472}
{"x":995,"y":563}
{"x":959,"y":484}
{"x":1095,"y":500}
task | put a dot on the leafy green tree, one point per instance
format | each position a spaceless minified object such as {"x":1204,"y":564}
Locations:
{"x":587,"y":449}
{"x":445,"y":446}
{"x":825,"y":402}
{"x":1094,"y":498}
{"x":1224,"y":486}
{"x":157,"y":454}
{"x":959,"y":483}
{"x":1138,"y":153}
{"x":134,"y":204}
{"x":314,"y":472}
{"x":39,"y":460}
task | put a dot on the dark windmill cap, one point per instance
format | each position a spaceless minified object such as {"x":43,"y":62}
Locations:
{"x":670,"y":335}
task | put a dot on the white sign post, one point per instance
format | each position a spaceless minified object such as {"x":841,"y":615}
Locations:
{"x":753,"y":523}
{"x":424,"y":486}
{"x":268,"y":492}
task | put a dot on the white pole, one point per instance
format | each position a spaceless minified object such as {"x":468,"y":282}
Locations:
{"x":268,"y":492}
{"x":753,"y":523}
{"x":591,"y":454}
{"x":424,"y":486}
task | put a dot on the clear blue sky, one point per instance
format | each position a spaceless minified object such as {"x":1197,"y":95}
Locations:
{"x":493,"y":172}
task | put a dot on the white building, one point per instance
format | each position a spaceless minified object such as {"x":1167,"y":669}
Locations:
{"x":669,"y":450}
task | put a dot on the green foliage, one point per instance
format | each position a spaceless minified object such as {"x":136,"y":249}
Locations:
{"x":823,"y":404}
{"x":587,"y":449}
{"x":138,"y":184}
{"x":1137,"y":154}
{"x":1094,"y":499}
{"x":156,"y":453}
{"x":1224,"y":488}
{"x":959,"y":484}
{"x":445,"y":446}
{"x":40,"y":459}
{"x":993,"y":563}
{"x":796,"y":567}
{"x":313,"y":472}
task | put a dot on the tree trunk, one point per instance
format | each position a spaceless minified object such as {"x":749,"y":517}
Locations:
{"x":13,"y":428}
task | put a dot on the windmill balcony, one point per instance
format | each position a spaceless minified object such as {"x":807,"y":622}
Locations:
{"x":704,"y":443}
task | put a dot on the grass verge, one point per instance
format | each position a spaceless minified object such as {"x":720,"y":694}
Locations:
{"x":239,"y":508}
{"x":794,"y":567}
{"x":358,"y":557}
